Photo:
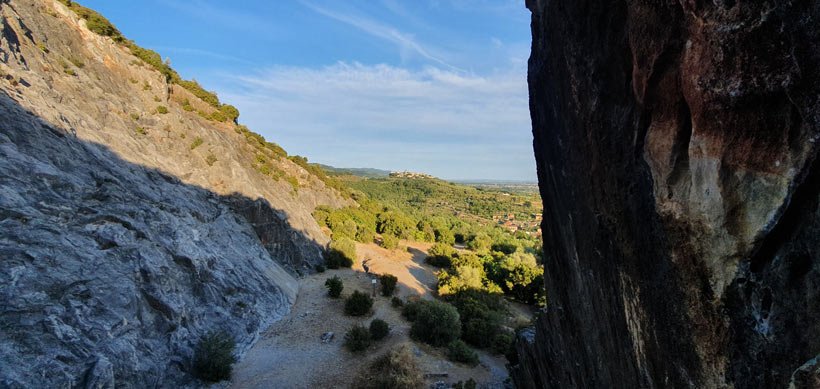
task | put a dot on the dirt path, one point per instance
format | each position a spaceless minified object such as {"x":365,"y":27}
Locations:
{"x":291,"y":354}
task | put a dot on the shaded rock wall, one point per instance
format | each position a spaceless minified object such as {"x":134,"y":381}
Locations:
{"x":111,"y":271}
{"x":676,"y":144}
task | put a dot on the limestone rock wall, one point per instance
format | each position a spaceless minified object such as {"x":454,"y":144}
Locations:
{"x":676,"y":144}
{"x":120,"y":245}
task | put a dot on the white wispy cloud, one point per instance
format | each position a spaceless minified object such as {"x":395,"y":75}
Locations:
{"x":403,"y":40}
{"x":391,"y":117}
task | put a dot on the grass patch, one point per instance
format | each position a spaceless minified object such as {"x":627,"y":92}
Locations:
{"x":79,"y":64}
{"x":210,"y":159}
{"x":293,"y":183}
{"x":196,"y":143}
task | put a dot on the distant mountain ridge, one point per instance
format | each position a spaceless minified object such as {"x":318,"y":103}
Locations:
{"x":358,"y":172}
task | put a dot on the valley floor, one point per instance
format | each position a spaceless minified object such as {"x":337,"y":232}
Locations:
{"x":291,"y":354}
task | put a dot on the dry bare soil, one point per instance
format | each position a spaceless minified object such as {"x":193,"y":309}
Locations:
{"x":291,"y":354}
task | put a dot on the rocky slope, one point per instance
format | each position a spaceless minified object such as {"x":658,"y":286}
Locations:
{"x":676,"y":145}
{"x":121,"y":239}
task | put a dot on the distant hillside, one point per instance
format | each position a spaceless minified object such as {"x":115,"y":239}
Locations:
{"x":435,"y":197}
{"x":358,"y":172}
{"x":501,"y":185}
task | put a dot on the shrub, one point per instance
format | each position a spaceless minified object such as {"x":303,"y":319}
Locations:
{"x":157,"y":99}
{"x":334,"y":286}
{"x":481,"y":314}
{"x":396,"y":302}
{"x":210,"y":159}
{"x":217,"y":116}
{"x":358,"y":304}
{"x":445,"y":236}
{"x":358,"y":338}
{"x":388,"y":282}
{"x":196,"y":143}
{"x":502,"y":343}
{"x":389,"y":241}
{"x":364,"y":234}
{"x":463,"y":277}
{"x":411,"y":309}
{"x":397,"y":369}
{"x":198,"y":91}
{"x":342,"y":254}
{"x":213,"y":357}
{"x":440,"y":255}
{"x":458,"y":351}
{"x":436,"y":323}
{"x":135,"y":116}
{"x":162,"y":109}
{"x":379,"y":329}
{"x":140,"y":130}
{"x":320,"y":268}
{"x":43,"y":47}
{"x":230,"y":112}
{"x":294,"y":183}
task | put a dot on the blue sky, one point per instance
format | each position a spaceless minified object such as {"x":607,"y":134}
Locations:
{"x":437,"y":86}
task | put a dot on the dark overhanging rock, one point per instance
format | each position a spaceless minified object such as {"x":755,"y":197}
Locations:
{"x":676,"y":145}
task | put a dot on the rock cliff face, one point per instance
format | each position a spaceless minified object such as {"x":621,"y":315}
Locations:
{"x":120,"y":241}
{"x":676,"y":144}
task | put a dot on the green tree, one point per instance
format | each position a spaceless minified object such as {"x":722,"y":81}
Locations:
{"x":440,"y":255}
{"x":445,"y":236}
{"x":481,"y":243}
{"x":389,"y":241}
{"x":436,"y":323}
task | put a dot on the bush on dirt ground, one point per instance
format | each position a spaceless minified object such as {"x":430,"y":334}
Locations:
{"x":358,"y":338}
{"x":396,"y":369}
{"x":358,"y":304}
{"x":388,"y":282}
{"x":334,"y":286}
{"x":458,"y":351}
{"x":435,"y":322}
{"x":396,"y":302}
{"x":379,"y":329}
